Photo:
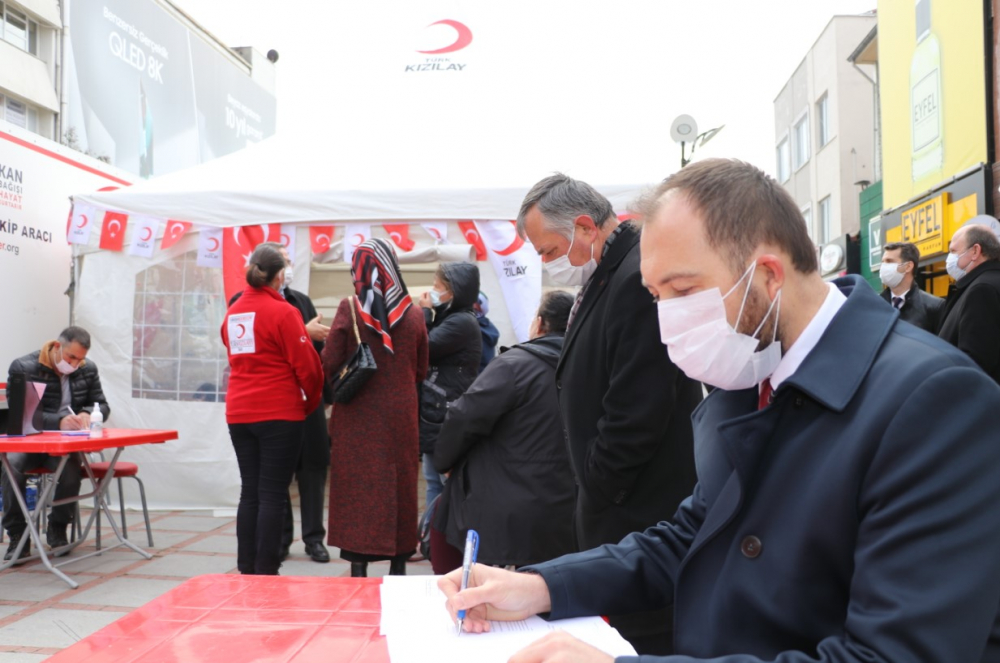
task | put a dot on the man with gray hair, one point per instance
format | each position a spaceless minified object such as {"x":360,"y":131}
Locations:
{"x":72,"y":388}
{"x":626,"y":408}
{"x":972,"y":312}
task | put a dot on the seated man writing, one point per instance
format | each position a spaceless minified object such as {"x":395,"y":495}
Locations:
{"x":72,"y":386}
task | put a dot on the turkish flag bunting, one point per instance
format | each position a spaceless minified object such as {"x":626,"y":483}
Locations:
{"x":472,"y":237}
{"x":237,"y":247}
{"x":320,"y":238}
{"x":175,"y":230}
{"x":113,"y":231}
{"x":400,"y":235}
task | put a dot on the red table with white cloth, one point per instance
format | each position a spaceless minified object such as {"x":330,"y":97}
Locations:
{"x":64,"y":445}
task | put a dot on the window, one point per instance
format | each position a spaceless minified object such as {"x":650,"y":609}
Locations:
{"x":16,"y":113}
{"x":824,"y":221}
{"x":177,"y":354}
{"x":807,"y":216}
{"x":801,"y":146}
{"x":823,"y":120}
{"x":784,"y":162}
{"x":17,"y":29}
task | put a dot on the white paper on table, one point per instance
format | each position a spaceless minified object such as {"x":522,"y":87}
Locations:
{"x":419,"y":629}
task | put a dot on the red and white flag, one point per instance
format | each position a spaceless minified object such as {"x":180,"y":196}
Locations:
{"x":472,"y":236}
{"x":237,"y":247}
{"x":400,"y":235}
{"x":355,"y":234}
{"x":287,"y":239}
{"x":519,"y":270}
{"x":438,"y":230}
{"x":210,"y":248}
{"x":81,"y":223}
{"x":143,"y":236}
{"x":173,"y":233}
{"x":320,"y":238}
{"x":113,"y":231}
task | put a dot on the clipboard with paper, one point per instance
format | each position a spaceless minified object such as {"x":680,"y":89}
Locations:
{"x":24,"y":398}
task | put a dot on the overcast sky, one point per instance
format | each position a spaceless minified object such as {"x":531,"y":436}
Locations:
{"x":553,"y":82}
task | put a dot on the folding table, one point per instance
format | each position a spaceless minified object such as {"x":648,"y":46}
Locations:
{"x":64,"y":445}
{"x":246,"y":618}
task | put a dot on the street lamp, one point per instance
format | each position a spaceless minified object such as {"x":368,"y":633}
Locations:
{"x":684,"y":130}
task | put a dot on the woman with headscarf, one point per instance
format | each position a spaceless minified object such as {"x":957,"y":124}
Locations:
{"x":375,"y":438}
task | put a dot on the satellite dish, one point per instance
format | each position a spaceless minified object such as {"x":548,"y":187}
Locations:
{"x":684,"y":129}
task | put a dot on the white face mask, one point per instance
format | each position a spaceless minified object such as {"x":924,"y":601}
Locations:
{"x":64,"y":366}
{"x":702,"y":343}
{"x":563,"y":272}
{"x":890,"y":274}
{"x":951,"y":265}
{"x":435,"y":298}
{"x":289,"y":275}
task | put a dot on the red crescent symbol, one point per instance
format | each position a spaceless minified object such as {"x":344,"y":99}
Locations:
{"x":84,"y":217}
{"x":361,"y":239}
{"x":211,"y":241}
{"x":285,"y":240}
{"x":243,"y":330}
{"x":463,"y":40}
{"x":435,"y":232}
{"x":515,"y":245}
{"x":147,"y":234}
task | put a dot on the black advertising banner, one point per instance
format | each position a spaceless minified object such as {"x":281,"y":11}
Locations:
{"x":152,"y":95}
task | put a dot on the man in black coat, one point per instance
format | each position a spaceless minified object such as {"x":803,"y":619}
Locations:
{"x":972,"y":312}
{"x":899,"y":261}
{"x":314,"y":462}
{"x":626,"y":407}
{"x":72,"y":387}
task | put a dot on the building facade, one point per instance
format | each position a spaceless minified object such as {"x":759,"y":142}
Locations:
{"x":824,"y":137}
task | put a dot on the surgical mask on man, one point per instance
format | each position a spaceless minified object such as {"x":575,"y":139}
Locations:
{"x":64,"y":366}
{"x":890,"y":274}
{"x":951,"y":265}
{"x":563,"y":272}
{"x":702,"y":343}
{"x":289,"y":275}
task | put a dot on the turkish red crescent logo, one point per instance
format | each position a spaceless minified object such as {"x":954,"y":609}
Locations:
{"x":147,"y":234}
{"x":360,"y":240}
{"x":464,"y":37}
{"x":85,"y":221}
{"x":514,"y":246}
{"x":213,"y":244}
{"x":435,"y":232}
{"x":285,"y":240}
{"x":243,"y":330}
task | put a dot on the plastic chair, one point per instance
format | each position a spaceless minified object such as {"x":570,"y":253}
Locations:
{"x":123,"y":470}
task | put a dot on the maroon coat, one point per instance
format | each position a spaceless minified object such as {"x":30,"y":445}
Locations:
{"x":375,"y":440}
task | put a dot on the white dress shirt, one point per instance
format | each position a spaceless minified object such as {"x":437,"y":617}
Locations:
{"x":809,"y":337}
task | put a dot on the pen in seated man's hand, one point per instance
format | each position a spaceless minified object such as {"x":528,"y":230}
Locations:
{"x":496,"y":594}
{"x":75,"y":421}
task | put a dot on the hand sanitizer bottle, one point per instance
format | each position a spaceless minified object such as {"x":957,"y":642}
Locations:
{"x":96,"y":421}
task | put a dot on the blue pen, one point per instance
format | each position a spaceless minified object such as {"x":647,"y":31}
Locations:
{"x":468,"y":559}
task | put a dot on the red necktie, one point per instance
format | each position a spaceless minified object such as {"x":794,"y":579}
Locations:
{"x":765,"y":394}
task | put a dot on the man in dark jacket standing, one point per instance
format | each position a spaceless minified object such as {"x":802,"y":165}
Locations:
{"x":919,"y":308}
{"x":72,"y":387}
{"x":626,"y":407}
{"x":972,"y":312}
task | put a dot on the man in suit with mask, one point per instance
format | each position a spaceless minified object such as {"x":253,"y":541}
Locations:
{"x":899,"y":262}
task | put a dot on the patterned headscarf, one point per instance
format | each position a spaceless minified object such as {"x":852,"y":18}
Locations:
{"x":381,"y":292}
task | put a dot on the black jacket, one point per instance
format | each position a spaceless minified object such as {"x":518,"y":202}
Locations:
{"x":972,"y":317}
{"x":455,"y":347}
{"x":626,"y":407}
{"x":920,"y":308}
{"x":510,"y":475}
{"x":84,"y":385}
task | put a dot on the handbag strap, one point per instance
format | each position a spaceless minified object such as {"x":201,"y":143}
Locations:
{"x":354,"y":317}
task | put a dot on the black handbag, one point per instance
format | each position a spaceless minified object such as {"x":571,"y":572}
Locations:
{"x":356,"y":371}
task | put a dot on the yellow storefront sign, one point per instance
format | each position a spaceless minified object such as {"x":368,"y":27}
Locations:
{"x":923,"y":225}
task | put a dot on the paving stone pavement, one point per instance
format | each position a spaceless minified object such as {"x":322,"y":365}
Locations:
{"x":40,"y":614}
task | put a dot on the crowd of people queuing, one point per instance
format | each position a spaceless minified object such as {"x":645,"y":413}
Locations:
{"x":832,"y":498}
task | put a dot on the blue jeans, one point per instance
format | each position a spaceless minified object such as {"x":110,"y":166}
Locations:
{"x":435,"y":481}
{"x":267,"y":453}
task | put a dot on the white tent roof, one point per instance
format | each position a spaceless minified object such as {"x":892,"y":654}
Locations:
{"x":275,"y":182}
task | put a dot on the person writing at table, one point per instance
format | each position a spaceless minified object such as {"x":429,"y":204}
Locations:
{"x":276,"y":380}
{"x":72,"y":386}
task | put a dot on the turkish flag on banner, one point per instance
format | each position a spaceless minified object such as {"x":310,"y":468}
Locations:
{"x":81,"y":222}
{"x":400,"y":235}
{"x":355,"y":234}
{"x":237,"y":247}
{"x":210,"y":248}
{"x":143,"y":236}
{"x":287,"y":239}
{"x":320,"y":238}
{"x":113,"y":231}
{"x":175,"y":230}
{"x":472,"y":237}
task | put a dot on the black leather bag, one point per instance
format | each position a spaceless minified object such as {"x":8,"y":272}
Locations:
{"x":356,"y":371}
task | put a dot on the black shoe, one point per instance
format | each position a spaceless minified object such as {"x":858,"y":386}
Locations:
{"x":15,"y":538}
{"x":317,"y":552}
{"x":285,"y":551}
{"x":55,"y":536}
